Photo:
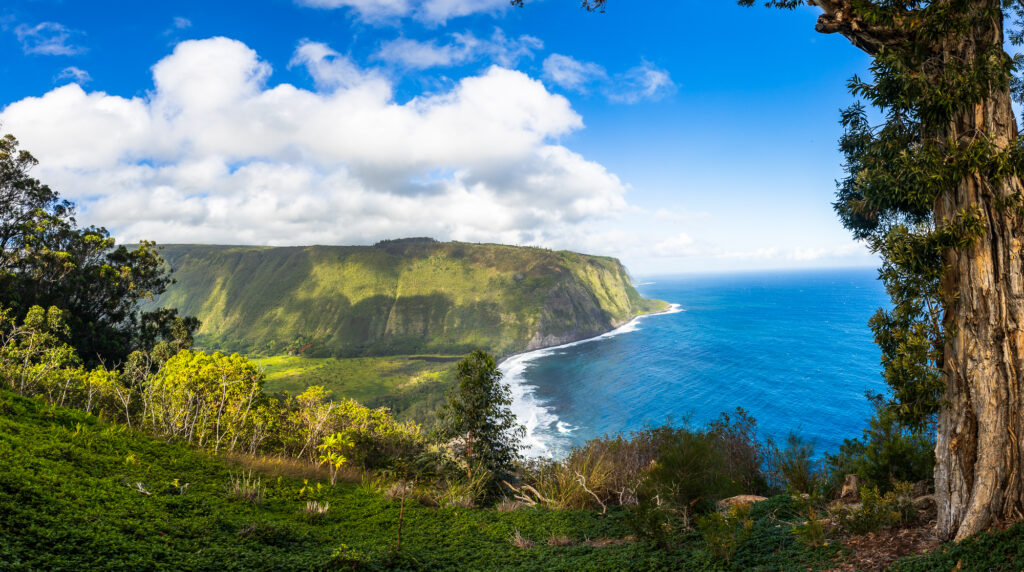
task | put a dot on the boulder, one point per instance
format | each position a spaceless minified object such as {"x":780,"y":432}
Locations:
{"x":725,"y":504}
{"x":851,"y":489}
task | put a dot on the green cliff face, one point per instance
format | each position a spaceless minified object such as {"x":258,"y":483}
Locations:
{"x":398,"y":297}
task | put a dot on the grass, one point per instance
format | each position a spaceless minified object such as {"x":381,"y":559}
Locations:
{"x":363,"y":379}
{"x":413,"y":387}
{"x":78,"y":493}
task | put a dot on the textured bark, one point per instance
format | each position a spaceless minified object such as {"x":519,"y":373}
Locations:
{"x":978,"y":450}
{"x":978,"y":469}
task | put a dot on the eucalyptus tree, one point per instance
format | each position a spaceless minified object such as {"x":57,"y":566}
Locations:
{"x":935,"y":189}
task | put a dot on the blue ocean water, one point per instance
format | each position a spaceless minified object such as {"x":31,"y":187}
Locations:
{"x":791,"y":348}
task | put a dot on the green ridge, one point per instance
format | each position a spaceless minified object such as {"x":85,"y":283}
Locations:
{"x":400,"y":297}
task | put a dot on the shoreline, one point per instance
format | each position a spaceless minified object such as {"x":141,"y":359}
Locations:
{"x":671,"y":309}
{"x":546,"y":434}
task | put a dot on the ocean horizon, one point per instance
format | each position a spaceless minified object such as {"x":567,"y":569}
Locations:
{"x":791,"y":348}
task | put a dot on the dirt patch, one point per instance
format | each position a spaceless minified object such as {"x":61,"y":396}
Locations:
{"x":877,"y":551}
{"x":602,"y":542}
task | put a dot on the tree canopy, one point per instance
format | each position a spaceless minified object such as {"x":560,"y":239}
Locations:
{"x":47,"y":260}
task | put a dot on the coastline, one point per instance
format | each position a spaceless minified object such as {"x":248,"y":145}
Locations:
{"x":546,"y":434}
{"x":671,"y":309}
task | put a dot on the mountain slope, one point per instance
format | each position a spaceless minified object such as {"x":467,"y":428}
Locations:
{"x":398,"y":297}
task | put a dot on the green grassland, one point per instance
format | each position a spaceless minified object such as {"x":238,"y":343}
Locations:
{"x":403,"y":297}
{"x":77,"y":493}
{"x":411,"y":386}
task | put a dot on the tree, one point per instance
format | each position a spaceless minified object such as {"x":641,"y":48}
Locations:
{"x":47,"y":260}
{"x":936,"y":191}
{"x":477,"y":411}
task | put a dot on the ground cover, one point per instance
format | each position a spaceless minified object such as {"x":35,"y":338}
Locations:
{"x":79,"y":493}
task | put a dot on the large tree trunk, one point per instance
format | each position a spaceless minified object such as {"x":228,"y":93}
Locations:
{"x":978,"y":472}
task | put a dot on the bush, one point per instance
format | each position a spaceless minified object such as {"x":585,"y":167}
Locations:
{"x":886,"y":453}
{"x":793,"y":469}
{"x":723,"y":533}
{"x":609,"y":471}
{"x":744,"y":456}
{"x":689,"y":477}
{"x":878,"y":510}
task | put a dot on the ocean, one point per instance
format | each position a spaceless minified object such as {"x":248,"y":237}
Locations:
{"x":791,"y":348}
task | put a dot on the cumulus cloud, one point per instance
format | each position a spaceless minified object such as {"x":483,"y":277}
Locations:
{"x":213,"y":154}
{"x":645,"y":82}
{"x":47,"y":39}
{"x":462,"y":49}
{"x":75,"y":74}
{"x":429,"y":11}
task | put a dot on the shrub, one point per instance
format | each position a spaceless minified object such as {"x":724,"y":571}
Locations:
{"x":743,"y":455}
{"x":723,"y":533}
{"x":811,"y":532}
{"x":793,"y":469}
{"x":689,"y":476}
{"x":886,"y":452}
{"x":878,"y":510}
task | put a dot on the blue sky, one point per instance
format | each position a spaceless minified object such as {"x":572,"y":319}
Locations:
{"x":683,"y":136}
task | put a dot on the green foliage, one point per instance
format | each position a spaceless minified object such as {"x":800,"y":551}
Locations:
{"x":995,"y":551}
{"x":877,"y":510}
{"x":47,"y":260}
{"x":904,"y":194}
{"x":68,"y":500}
{"x":723,"y":533}
{"x":476,"y":412}
{"x":794,"y":469}
{"x":811,"y":533}
{"x":412,"y":387}
{"x":213,"y":401}
{"x":886,"y":453}
{"x":687,"y":478}
{"x":395,"y":299}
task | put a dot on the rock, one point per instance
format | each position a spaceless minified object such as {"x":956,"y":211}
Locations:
{"x":921,"y":488}
{"x":924,"y":502}
{"x":851,"y":489}
{"x":726,"y":504}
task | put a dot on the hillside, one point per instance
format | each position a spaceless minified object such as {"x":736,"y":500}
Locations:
{"x":398,"y":297}
{"x":79,"y":493}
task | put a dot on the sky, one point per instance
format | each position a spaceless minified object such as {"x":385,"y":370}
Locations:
{"x":681,"y":136}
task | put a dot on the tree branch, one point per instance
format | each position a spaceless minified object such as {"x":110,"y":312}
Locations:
{"x":840,"y":17}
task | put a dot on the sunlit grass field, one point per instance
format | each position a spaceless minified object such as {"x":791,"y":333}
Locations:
{"x":412,"y":386}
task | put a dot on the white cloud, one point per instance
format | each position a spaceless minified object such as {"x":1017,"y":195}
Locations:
{"x":213,"y":154}
{"x":180,"y":23}
{"x":429,"y":11}
{"x":645,"y":82}
{"x":572,"y":74}
{"x":75,"y":74}
{"x":47,"y":39}
{"x":329,"y":69}
{"x":462,"y":49}
{"x":681,"y":244}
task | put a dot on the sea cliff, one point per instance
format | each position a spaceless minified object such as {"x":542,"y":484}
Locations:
{"x":398,"y":297}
